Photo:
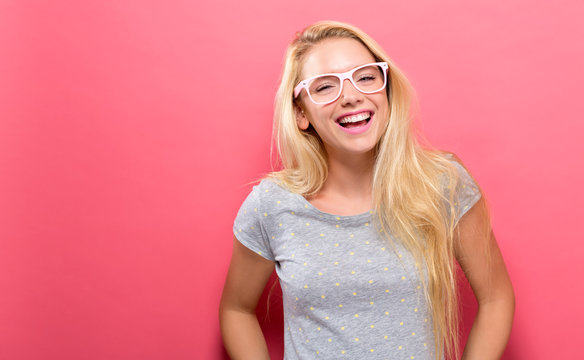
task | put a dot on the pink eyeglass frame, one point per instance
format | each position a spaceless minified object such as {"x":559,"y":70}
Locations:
{"x":342,"y":76}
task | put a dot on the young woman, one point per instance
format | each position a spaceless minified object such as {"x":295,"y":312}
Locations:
{"x":362,"y":224}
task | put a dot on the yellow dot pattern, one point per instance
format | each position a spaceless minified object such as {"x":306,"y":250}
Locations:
{"x":340,"y":279}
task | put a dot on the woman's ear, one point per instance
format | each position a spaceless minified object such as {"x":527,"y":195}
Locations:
{"x":301,"y":118}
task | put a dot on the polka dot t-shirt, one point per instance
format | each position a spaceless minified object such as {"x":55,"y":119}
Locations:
{"x":348,"y":294}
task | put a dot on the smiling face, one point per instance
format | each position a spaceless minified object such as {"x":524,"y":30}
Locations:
{"x":354,"y":123}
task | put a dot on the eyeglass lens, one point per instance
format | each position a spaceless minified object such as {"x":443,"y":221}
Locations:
{"x":327,"y":87}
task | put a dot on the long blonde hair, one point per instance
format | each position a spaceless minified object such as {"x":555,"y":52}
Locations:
{"x":408,"y":181}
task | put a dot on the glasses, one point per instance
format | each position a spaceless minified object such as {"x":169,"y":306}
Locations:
{"x":326,"y":88}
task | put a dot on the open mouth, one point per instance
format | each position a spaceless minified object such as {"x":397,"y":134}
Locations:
{"x":354,"y":121}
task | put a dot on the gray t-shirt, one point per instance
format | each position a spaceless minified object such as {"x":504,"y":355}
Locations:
{"x":347,"y":293}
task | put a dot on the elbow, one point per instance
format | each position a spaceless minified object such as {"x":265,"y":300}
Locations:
{"x":220,"y":313}
{"x":509,"y":298}
{"x":223,"y":310}
{"x":502,"y":303}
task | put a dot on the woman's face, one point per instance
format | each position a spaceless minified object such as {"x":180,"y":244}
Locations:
{"x":335,"y":56}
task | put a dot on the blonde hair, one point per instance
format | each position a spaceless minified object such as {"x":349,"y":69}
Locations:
{"x":408,"y":180}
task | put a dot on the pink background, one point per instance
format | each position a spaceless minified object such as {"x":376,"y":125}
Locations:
{"x":129,"y":130}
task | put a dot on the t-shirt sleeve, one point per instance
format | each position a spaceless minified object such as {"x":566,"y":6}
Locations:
{"x":248,"y":227}
{"x":467,"y":192}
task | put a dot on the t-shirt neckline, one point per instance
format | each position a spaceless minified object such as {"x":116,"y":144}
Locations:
{"x":307,"y":205}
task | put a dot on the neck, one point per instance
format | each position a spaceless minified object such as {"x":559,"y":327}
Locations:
{"x":349,"y":183}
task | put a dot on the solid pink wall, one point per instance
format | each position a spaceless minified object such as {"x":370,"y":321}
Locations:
{"x":129,"y":132}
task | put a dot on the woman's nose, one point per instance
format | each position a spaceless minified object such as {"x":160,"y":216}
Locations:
{"x":349,"y":93}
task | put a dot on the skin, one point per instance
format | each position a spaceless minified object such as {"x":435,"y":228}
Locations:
{"x":347,"y":191}
{"x":490,"y":283}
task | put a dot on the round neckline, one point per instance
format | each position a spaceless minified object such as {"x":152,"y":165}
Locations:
{"x":309,"y":206}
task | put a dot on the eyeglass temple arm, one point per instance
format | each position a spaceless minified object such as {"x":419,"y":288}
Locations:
{"x":298,"y":89}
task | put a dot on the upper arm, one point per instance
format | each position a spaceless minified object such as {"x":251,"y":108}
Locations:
{"x":246,"y":278}
{"x":479,"y":256}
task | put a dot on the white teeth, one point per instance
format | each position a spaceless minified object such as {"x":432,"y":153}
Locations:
{"x":355,"y":118}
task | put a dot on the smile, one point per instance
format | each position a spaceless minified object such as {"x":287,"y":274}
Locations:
{"x":355,"y":123}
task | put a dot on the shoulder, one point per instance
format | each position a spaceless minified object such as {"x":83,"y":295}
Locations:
{"x":462,"y":170}
{"x":268,"y":187}
{"x":268,"y":192}
{"x":462,"y":186}
{"x":456,"y":176}
{"x":262,"y":186}
{"x":457,"y":167}
{"x":452,"y":157}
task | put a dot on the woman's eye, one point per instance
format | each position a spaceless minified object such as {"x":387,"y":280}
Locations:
{"x":323,"y":87}
{"x":367,"y":78}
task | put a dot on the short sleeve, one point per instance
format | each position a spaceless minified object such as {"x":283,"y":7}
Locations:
{"x":248,"y":227}
{"x":467,"y":192}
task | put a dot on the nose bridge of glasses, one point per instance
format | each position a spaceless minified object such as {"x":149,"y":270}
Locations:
{"x":353,"y":85}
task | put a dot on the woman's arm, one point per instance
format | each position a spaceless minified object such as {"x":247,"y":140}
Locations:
{"x":480,"y":259}
{"x":246,"y":279}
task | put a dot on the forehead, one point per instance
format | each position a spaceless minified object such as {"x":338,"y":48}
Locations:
{"x":335,"y":55}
